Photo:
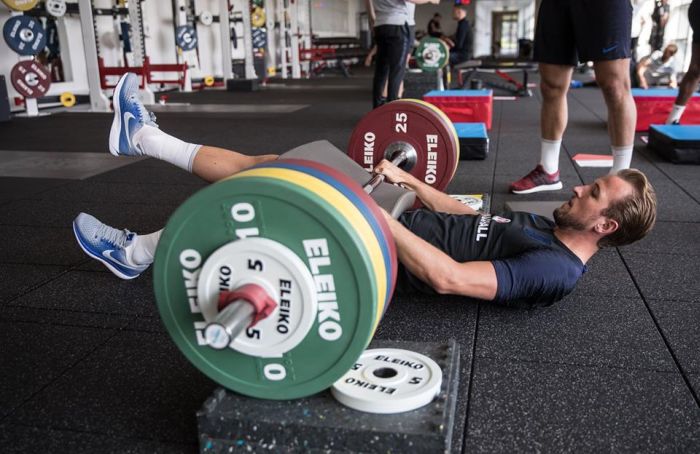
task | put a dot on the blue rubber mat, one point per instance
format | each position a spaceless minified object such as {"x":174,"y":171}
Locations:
{"x":471,"y":130}
{"x":464,"y":93}
{"x":678,"y":132}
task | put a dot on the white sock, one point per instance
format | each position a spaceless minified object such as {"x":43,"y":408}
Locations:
{"x":549,"y":155}
{"x":145,"y":248}
{"x":676,"y":114}
{"x":622,"y":157}
{"x":160,"y":145}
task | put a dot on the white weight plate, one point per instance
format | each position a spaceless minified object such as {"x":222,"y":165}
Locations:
{"x":206,"y":18}
{"x":389,"y":380}
{"x":56,"y":8}
{"x":284,"y":277}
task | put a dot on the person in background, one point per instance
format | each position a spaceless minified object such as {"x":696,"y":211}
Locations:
{"x":463,"y":40}
{"x":434,"y":26}
{"x":641,"y":15}
{"x":658,"y":68}
{"x":411,"y":41}
{"x":659,"y":18}
{"x":691,"y":78}
{"x":390,"y":21}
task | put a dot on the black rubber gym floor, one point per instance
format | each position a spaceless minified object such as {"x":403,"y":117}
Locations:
{"x":85,"y":365}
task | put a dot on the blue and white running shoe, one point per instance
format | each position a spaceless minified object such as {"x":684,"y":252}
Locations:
{"x":129,"y":116}
{"x":108,"y":245}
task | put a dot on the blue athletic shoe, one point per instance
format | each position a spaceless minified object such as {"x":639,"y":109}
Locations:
{"x":108,"y":245}
{"x":129,"y":116}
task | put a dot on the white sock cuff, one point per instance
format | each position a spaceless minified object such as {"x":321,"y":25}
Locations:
{"x":622,"y":157}
{"x":193,"y":149}
{"x":676,"y":113}
{"x":622,"y":150}
{"x":144,"y":248}
{"x":161,"y":145}
{"x":551,"y":142}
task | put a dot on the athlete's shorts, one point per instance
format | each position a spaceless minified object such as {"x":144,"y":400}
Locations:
{"x":572,"y":31}
{"x":694,"y":19}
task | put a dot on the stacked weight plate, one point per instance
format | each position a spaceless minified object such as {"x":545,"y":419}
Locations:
{"x":414,"y":122}
{"x":445,"y":124}
{"x":308,"y":235}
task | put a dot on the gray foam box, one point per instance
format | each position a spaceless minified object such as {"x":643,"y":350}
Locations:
{"x":229,"y":422}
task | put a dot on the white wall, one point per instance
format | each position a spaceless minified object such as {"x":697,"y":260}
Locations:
{"x":483,"y":18}
{"x":336,"y":17}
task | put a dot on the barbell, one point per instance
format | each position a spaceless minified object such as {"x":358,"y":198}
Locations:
{"x":273,"y":281}
{"x":432,"y":54}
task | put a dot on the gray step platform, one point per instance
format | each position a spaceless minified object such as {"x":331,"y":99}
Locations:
{"x":229,"y":422}
{"x":394,"y":199}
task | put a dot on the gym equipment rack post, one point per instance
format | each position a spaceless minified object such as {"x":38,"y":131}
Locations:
{"x":98,"y":101}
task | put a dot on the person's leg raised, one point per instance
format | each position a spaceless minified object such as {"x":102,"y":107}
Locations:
{"x":134,"y":132}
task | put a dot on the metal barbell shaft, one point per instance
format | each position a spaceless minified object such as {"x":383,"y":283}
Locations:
{"x":398,"y":159}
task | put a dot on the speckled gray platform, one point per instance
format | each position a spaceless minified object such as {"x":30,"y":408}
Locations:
{"x":229,"y":422}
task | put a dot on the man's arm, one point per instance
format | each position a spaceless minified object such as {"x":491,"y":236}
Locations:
{"x":673,"y":81}
{"x":431,"y":197}
{"x":641,"y":69}
{"x":440,"y":271}
{"x":370,"y":13}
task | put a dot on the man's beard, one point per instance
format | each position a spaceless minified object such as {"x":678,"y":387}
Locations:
{"x":566,"y":221}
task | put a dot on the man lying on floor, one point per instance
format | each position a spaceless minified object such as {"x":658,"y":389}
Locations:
{"x":512,"y":258}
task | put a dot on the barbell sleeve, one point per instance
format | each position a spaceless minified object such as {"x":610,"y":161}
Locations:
{"x":229,"y":323}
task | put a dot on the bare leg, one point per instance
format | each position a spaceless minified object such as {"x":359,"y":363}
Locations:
{"x":686,"y":88}
{"x":691,"y":78}
{"x":213,"y":164}
{"x":209,"y":163}
{"x":554,"y":84}
{"x":614,"y":79}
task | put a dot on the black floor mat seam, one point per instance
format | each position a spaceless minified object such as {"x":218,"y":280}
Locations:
{"x":681,"y":370}
{"x":59,"y":375}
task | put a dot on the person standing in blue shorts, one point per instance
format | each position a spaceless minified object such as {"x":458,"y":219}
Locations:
{"x":568,"y":32}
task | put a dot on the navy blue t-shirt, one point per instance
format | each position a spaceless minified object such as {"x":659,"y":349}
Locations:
{"x":533,"y":268}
